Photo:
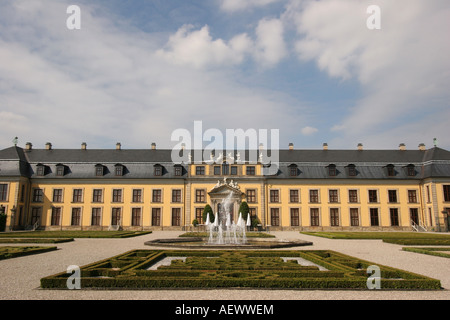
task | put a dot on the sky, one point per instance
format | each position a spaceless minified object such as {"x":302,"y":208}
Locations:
{"x":138,"y":70}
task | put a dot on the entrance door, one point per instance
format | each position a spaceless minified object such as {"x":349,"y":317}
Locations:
{"x":448,"y":219}
{"x":414,"y":212}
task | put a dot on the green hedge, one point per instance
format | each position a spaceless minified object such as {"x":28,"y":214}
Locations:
{"x":246,"y":269}
{"x":14,"y":252}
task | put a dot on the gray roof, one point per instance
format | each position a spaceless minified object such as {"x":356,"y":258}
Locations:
{"x":139,"y":163}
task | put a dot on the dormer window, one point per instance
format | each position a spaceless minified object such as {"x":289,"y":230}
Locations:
{"x":157,"y":170}
{"x":332,"y":170}
{"x":351,"y":170}
{"x":119,"y":170}
{"x":411,"y":171}
{"x":293,"y":170}
{"x":99,"y":170}
{"x":40,"y":170}
{"x":60,"y":170}
{"x":390,"y":170}
{"x":178,"y":170}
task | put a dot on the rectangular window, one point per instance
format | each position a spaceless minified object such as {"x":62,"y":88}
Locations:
{"x":116,"y":216}
{"x":251,"y":171}
{"x":294,"y":196}
{"x":96,"y":216}
{"x":392,"y":195}
{"x":200,"y":195}
{"x":374,"y":222}
{"x":225,"y":169}
{"x":38,"y":195}
{"x":414,"y":213}
{"x":274,"y":196}
{"x":117,"y":195}
{"x":135,"y":217}
{"x":217,"y":170}
{"x":234,"y":171}
{"x":200,"y":170}
{"x":137,"y":195}
{"x":40,"y":170}
{"x":391,"y":171}
{"x":252,"y":213}
{"x":56,"y":216}
{"x":199,"y":215}
{"x":76,"y":217}
{"x":428,"y":194}
{"x":176,"y":217}
{"x":3,"y":192}
{"x":97,"y":196}
{"x":77,"y":195}
{"x":314,"y":196}
{"x":57,"y":195}
{"x":393,"y":212}
{"x":295,"y":217}
{"x":99,"y":171}
{"x":446,"y":193}
{"x":373,"y":197}
{"x":119,"y":171}
{"x":333,"y":196}
{"x":176,"y":195}
{"x":36,"y":215}
{"x":293,"y":171}
{"x":353,"y":196}
{"x":412,"y":196}
{"x":158,"y":171}
{"x":354,"y":217}
{"x":156,"y":196}
{"x":314,"y":214}
{"x":178,"y":171}
{"x":334,"y":217}
{"x":251,"y":196}
{"x":275,"y":217}
{"x":352,"y":171}
{"x":156,"y":217}
{"x":60,"y":171}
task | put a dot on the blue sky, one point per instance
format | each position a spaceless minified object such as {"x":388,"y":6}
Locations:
{"x":139,"y":69}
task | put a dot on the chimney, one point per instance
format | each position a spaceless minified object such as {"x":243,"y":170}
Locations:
{"x":28,"y":146}
{"x":291,"y":146}
{"x":153,"y":146}
{"x":48,"y":146}
{"x":325,"y":146}
{"x":422,"y":147}
{"x":83,"y":146}
{"x":360,"y":146}
{"x":118,"y":146}
{"x":402,"y":146}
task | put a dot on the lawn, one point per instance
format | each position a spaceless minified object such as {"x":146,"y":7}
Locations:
{"x":73,"y":234}
{"x":404,"y":238}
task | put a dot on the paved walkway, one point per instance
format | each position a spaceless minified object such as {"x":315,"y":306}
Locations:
{"x":20,"y":277}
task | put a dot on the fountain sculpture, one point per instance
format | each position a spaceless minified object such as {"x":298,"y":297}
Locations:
{"x":223,"y":231}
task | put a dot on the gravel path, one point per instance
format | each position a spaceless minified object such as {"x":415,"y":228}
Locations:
{"x":20,"y":277}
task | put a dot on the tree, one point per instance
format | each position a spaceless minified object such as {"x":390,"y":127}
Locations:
{"x":243,"y":208}
{"x":207,"y":210}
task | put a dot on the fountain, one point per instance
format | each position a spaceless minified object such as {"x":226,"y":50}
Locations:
{"x":223,"y":231}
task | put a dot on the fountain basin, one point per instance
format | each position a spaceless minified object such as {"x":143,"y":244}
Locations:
{"x":202,"y":243}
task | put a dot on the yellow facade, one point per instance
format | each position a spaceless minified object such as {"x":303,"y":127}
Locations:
{"x":173,"y":202}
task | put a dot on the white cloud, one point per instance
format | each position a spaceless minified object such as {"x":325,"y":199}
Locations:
{"x":403,"y":69}
{"x":270,"y":42}
{"x":307,"y":131}
{"x":108,"y":82}
{"x":239,"y":5}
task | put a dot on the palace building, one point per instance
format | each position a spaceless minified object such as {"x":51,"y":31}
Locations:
{"x":142,"y":189}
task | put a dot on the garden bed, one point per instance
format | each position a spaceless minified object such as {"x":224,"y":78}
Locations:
{"x":238,"y":269}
